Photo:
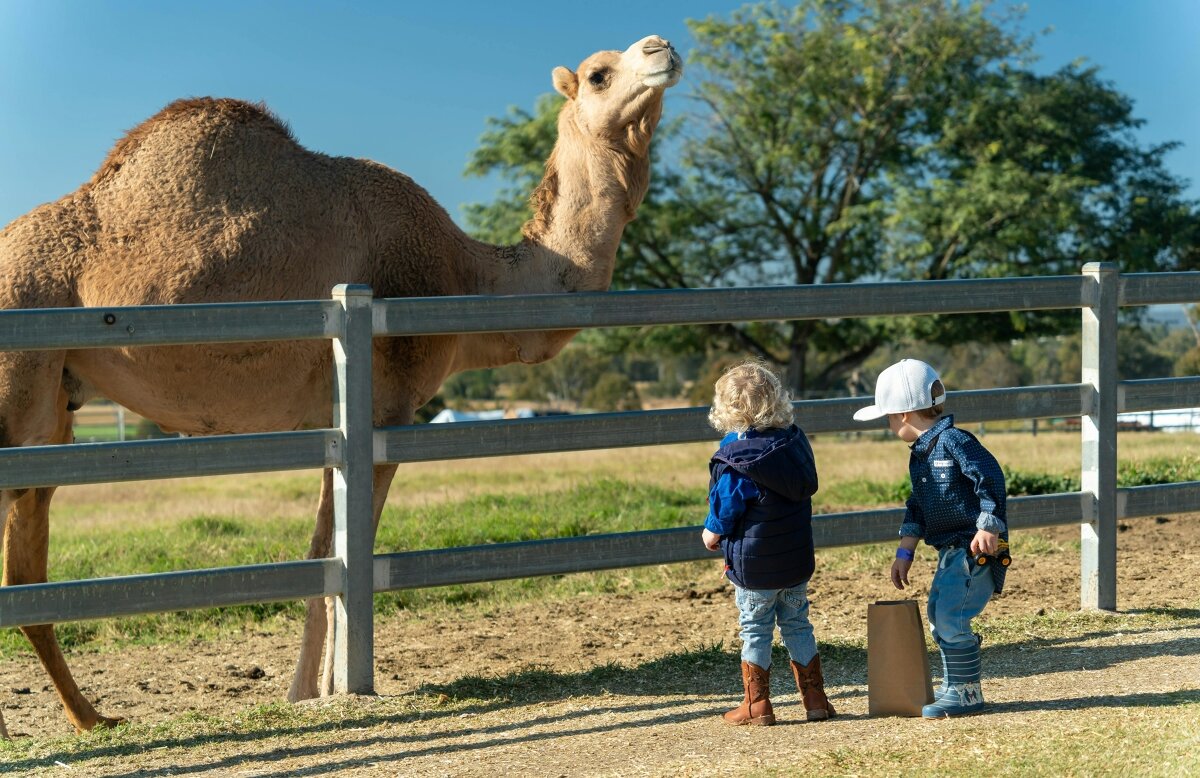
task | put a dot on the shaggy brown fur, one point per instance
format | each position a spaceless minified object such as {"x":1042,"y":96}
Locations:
{"x":231,"y":112}
{"x":213,"y":200}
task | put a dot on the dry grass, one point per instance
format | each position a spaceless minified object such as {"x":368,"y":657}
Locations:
{"x":271,"y":495}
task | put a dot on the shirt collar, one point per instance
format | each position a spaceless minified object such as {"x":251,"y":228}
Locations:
{"x":922,"y":444}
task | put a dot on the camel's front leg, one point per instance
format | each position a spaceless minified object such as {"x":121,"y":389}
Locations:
{"x":318,"y":619}
{"x":26,"y":545}
{"x":26,"y":548}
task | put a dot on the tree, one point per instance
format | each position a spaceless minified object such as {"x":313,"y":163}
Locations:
{"x":1189,"y":363}
{"x":842,"y":140}
{"x":470,"y":385}
{"x":1144,"y":353}
{"x":565,"y":379}
{"x":613,"y":392}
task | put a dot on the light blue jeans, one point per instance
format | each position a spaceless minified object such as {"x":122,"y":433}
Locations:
{"x":958,"y":593}
{"x":759,"y":610}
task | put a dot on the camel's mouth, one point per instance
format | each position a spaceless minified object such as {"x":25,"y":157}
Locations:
{"x":664,"y":78}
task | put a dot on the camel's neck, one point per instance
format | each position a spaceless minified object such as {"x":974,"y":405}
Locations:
{"x":588,"y":195}
{"x":572,"y":245}
{"x":590,"y":191}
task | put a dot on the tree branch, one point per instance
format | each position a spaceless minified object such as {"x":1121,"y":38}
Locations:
{"x":846,"y":362}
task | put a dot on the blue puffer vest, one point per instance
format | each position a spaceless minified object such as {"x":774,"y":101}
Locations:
{"x":772,"y":545}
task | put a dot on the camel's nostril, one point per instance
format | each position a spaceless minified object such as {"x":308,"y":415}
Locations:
{"x":655,"y":45}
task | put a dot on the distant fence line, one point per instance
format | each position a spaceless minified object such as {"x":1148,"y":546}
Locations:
{"x":106,"y":421}
{"x":352,"y":447}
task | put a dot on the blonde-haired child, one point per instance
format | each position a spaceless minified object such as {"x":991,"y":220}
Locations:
{"x":761,"y":482}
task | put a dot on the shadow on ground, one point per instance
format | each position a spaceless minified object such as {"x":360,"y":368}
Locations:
{"x":675,"y":681}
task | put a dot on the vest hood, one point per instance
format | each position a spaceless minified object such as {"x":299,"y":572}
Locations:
{"x":782,"y":462}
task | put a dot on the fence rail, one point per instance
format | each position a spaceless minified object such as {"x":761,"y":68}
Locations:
{"x":353,"y":573}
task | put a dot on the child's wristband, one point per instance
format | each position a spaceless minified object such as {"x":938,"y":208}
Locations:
{"x":905,"y":553}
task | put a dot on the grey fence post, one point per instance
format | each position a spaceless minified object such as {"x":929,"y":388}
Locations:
{"x":354,"y":531}
{"x":1098,"y":535}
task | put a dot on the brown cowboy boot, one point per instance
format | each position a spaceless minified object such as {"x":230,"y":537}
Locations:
{"x":812,"y":688}
{"x":756,"y":707}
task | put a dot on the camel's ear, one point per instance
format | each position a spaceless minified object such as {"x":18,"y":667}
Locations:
{"x":566,"y":83}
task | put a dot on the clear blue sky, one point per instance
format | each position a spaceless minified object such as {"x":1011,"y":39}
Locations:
{"x":410,"y":84}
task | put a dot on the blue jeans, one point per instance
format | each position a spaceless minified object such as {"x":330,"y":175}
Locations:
{"x":958,"y":593}
{"x":759,"y":610}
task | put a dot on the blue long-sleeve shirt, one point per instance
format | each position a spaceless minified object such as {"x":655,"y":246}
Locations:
{"x":728,"y":497}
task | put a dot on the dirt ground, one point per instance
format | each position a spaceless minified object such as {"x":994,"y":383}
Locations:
{"x":666,"y":733}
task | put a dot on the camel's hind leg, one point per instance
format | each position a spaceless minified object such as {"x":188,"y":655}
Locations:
{"x":304,"y":682}
{"x":27,"y":530}
{"x":318,"y":621}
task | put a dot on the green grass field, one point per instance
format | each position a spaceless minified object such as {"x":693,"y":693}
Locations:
{"x":151,"y":527}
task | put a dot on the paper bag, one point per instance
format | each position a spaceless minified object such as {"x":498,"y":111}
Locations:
{"x":898,"y":681}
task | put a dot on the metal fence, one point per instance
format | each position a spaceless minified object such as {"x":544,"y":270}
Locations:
{"x":351,"y":446}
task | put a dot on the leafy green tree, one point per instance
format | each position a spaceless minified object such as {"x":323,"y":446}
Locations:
{"x":701,"y":392}
{"x":1192,"y":314}
{"x":1140,"y":353}
{"x":1189,"y":363}
{"x":471,"y":385}
{"x":613,"y":392}
{"x":843,"y":140}
{"x":565,"y":379}
{"x":1048,"y":360}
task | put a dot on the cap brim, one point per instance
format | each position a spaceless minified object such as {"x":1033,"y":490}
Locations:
{"x":869,"y":413}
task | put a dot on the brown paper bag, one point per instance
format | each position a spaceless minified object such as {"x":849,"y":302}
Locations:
{"x":898,"y":681}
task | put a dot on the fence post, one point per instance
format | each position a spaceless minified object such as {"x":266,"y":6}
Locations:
{"x":1098,"y":536}
{"x":354,"y":532}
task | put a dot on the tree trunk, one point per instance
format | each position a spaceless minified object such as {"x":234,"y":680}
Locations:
{"x":797,"y":362}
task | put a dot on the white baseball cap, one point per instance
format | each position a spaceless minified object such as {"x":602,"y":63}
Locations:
{"x":903,"y":387}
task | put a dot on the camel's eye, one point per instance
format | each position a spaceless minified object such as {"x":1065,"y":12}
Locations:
{"x":598,"y":77}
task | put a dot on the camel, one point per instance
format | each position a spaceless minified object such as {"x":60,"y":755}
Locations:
{"x":213,"y":200}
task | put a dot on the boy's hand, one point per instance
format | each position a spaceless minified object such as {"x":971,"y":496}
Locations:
{"x":712,"y":541}
{"x":900,"y":572}
{"x":984,"y":542}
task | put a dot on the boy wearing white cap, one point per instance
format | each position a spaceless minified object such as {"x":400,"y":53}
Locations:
{"x":958,"y":507}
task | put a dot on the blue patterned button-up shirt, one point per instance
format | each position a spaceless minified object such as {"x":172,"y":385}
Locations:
{"x":957,"y":488}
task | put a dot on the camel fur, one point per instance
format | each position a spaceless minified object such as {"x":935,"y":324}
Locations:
{"x":213,"y":200}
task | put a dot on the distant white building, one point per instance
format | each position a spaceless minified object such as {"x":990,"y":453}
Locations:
{"x":1177,"y":420}
{"x":451,"y":415}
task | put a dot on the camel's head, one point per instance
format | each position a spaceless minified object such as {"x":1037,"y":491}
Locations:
{"x":616,"y":95}
{"x":614,"y":102}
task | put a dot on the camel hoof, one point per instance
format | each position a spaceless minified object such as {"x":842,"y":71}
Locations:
{"x":301,"y":695}
{"x":104,"y":722}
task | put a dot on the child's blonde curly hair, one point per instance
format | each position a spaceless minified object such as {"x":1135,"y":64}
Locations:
{"x":750,"y":396}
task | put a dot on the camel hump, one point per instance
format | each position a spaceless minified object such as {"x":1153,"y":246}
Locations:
{"x":217,"y":110}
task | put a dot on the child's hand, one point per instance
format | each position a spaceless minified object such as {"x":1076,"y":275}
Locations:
{"x":984,"y":542}
{"x":712,"y":541}
{"x":900,"y":572}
